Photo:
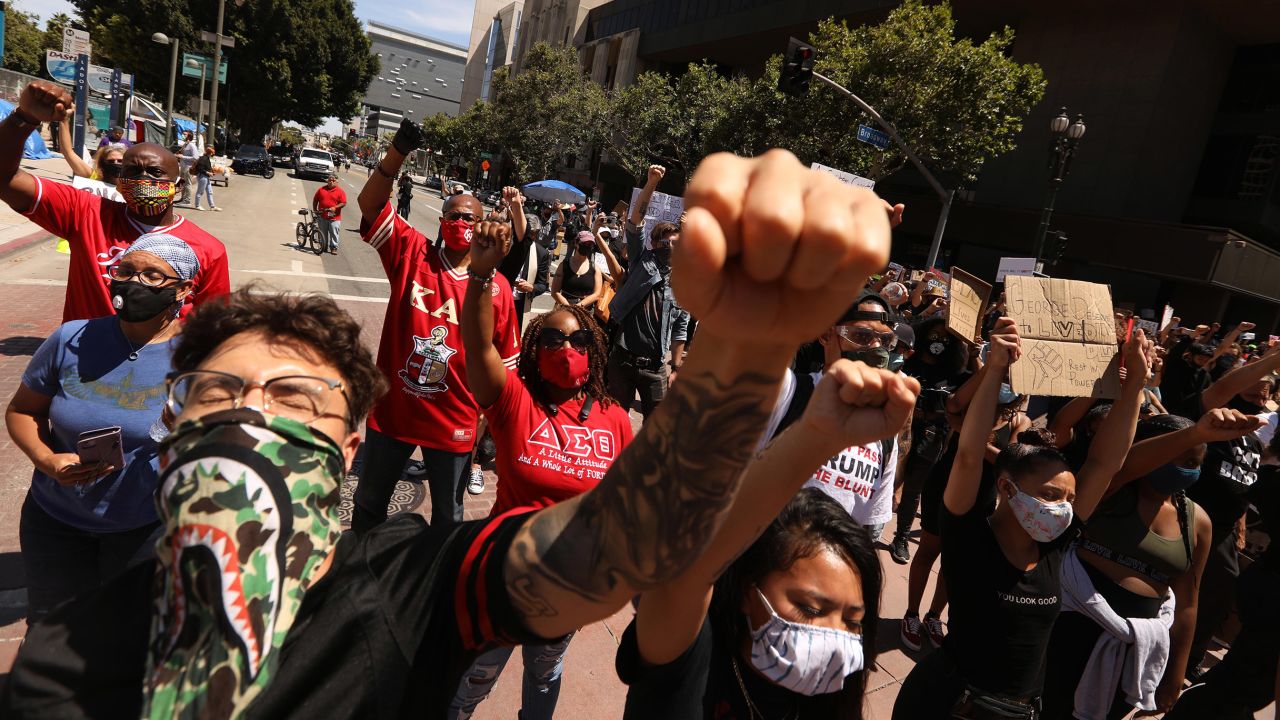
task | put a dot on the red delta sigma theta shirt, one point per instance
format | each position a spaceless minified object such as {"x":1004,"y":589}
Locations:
{"x":546,"y":458}
{"x":99,"y":230}
{"x":421,"y":351}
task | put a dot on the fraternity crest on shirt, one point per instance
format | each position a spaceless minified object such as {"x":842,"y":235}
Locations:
{"x":424,"y":370}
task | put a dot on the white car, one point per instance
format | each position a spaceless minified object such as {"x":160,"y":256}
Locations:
{"x":315,"y":163}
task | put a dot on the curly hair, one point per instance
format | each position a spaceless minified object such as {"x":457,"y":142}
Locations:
{"x":312,"y":324}
{"x":597,"y":356}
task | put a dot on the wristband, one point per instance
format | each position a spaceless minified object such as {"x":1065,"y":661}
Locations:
{"x":482,"y":278}
{"x":384,"y":173}
{"x":23,"y":118}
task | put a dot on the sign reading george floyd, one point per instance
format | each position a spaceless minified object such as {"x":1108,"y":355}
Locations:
{"x":969,"y":297}
{"x":1068,"y":336}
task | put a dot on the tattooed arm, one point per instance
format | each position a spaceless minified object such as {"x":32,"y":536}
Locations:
{"x":769,"y":254}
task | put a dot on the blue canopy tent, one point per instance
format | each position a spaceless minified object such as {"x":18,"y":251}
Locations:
{"x":34,"y":148}
{"x":553,"y":191}
{"x":185,"y":125}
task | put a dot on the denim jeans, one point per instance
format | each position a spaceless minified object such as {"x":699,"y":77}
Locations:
{"x":540,"y":688}
{"x":204,"y":186}
{"x":330,"y":231}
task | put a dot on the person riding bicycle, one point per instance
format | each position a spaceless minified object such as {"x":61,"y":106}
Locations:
{"x":327,"y":204}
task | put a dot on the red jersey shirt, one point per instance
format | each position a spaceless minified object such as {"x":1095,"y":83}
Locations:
{"x":326,"y":198}
{"x":544,"y":459}
{"x":421,"y":349}
{"x":99,"y":230}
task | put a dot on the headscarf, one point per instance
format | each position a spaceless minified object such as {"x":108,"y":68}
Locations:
{"x":173,"y":250}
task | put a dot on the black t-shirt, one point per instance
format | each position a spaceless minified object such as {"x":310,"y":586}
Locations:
{"x":369,"y":640}
{"x":1000,"y":616}
{"x":1265,"y":497}
{"x":1229,"y":469}
{"x":701,"y":683}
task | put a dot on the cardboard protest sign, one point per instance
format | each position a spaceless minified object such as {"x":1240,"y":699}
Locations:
{"x":1015,"y":266}
{"x":969,"y":297}
{"x":1068,"y":330}
{"x":621,"y":209}
{"x":897,"y":270}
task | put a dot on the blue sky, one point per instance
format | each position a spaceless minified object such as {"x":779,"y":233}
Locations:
{"x":448,"y":20}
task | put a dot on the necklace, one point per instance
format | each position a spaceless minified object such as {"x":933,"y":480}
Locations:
{"x":133,"y":351}
{"x":751,"y":707}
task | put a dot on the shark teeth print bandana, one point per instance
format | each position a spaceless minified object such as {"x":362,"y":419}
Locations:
{"x":250,"y":507}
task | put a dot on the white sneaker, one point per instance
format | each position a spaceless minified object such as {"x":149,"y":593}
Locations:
{"x":216,"y":209}
{"x":475,"y":485}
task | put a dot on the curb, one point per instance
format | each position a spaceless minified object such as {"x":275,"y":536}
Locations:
{"x":19,"y":244}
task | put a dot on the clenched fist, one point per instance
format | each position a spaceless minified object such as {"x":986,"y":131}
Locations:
{"x":490,"y":242}
{"x":854,"y":404}
{"x":771,"y":253}
{"x":44,"y":101}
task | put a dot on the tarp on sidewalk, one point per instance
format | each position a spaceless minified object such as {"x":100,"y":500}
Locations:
{"x":34,"y":148}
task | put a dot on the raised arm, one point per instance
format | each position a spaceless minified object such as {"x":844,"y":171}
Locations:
{"x":515,"y":207}
{"x":377,"y":189}
{"x":1219,"y":424}
{"x":78,"y":166}
{"x":615,"y":268}
{"x":1230,"y":339}
{"x":966,"y":471}
{"x":40,"y":101}
{"x":852,"y":405}
{"x":1111,"y":443}
{"x":646,"y":194}
{"x":753,"y":225}
{"x":486,"y":375}
{"x":1238,"y":380}
{"x":1063,"y":424}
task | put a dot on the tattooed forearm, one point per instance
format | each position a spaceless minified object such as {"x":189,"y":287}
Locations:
{"x":658,"y":505}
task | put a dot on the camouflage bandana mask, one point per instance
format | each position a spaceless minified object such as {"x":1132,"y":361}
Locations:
{"x":147,"y":198}
{"x":250,"y":507}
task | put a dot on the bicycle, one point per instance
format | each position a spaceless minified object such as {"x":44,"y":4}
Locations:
{"x":308,"y":233}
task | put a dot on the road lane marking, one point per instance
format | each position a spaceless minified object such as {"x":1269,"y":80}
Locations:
{"x":328,"y":276}
{"x":296,"y":266}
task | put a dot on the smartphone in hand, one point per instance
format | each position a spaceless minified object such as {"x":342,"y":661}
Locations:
{"x":104,"y":446}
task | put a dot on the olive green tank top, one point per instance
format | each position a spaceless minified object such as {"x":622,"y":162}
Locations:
{"x":1117,"y":533}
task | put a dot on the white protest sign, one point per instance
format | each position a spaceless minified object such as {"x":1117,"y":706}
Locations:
{"x":1015,"y":266}
{"x":969,"y":297}
{"x":1147,"y":326}
{"x":1166,"y":317}
{"x":1068,"y":333}
{"x":662,"y":208}
{"x":845,"y":177}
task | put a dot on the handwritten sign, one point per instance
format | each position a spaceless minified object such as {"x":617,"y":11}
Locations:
{"x":847,"y":178}
{"x":662,"y":208}
{"x":1015,"y":266}
{"x":969,"y":297}
{"x":1068,"y":337}
{"x":1147,"y":326}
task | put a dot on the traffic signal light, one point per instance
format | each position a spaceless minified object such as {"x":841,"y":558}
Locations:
{"x":797,"y":68}
{"x":1057,"y":246}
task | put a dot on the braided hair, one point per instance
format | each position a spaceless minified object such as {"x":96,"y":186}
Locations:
{"x":1163,"y":425}
{"x":597,"y":356}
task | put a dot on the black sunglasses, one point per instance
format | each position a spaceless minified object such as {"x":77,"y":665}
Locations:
{"x":464,"y":216}
{"x":551,"y":338}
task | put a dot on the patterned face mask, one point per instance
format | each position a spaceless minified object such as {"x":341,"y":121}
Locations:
{"x":250,"y":507}
{"x":147,"y":198}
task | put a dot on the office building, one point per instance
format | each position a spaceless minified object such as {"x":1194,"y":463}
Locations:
{"x":419,"y":77}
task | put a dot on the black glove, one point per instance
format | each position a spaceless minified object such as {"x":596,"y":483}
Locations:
{"x":409,"y":137}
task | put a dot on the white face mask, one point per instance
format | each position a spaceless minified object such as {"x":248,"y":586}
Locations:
{"x":805,"y":659}
{"x":1043,"y":521}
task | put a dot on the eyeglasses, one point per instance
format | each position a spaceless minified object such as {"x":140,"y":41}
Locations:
{"x":551,"y":338}
{"x":298,"y":397}
{"x":465,"y":216}
{"x":864,"y":337}
{"x":150,"y":278}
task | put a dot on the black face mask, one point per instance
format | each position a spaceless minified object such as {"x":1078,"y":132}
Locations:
{"x":872,"y":357}
{"x":135,"y":302}
{"x":662,"y":256}
{"x":938,"y":346}
{"x":110,"y":173}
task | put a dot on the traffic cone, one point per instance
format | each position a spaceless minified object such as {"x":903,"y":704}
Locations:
{"x":62,"y":246}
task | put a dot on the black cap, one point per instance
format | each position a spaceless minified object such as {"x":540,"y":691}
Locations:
{"x":853,"y":313}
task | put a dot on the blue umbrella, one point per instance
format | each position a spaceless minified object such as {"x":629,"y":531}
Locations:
{"x":553,"y":191}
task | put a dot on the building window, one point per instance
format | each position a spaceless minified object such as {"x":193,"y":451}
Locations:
{"x":1259,"y":168}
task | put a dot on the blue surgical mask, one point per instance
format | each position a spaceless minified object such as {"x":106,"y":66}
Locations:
{"x":1170,"y":479}
{"x":896,"y":361}
{"x":1007,"y":395}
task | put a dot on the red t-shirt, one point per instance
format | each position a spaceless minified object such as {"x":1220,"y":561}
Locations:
{"x":421,"y":349}
{"x":326,"y":198}
{"x":544,"y":459}
{"x":99,"y":230}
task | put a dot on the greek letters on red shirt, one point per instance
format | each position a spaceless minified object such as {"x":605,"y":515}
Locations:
{"x":99,"y":230}
{"x":546,"y":458}
{"x":421,"y":350}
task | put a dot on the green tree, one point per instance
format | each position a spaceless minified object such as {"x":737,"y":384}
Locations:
{"x":550,"y":110}
{"x":291,"y":135}
{"x":956,"y":103}
{"x":23,"y":42}
{"x":53,"y":28}
{"x":299,"y":60}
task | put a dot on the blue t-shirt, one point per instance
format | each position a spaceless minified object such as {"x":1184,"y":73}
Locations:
{"x":85,"y":367}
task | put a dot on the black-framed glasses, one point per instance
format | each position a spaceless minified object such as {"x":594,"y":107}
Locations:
{"x":149,"y":277}
{"x":298,"y":397}
{"x":551,"y":339}
{"x":864,"y":337}
{"x":464,"y":216}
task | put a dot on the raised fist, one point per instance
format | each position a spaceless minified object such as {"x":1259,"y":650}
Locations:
{"x":489,"y":244}
{"x":655,"y":174}
{"x":771,"y":252}
{"x":44,"y":101}
{"x":1006,"y":344}
{"x":409,"y":137}
{"x":512,"y":197}
{"x":854,"y":404}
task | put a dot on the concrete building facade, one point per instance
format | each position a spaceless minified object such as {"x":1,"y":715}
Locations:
{"x":494,"y":36}
{"x":420,"y":76}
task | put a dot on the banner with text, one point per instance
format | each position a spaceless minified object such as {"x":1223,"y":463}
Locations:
{"x":1068,"y":336}
{"x":662,"y":208}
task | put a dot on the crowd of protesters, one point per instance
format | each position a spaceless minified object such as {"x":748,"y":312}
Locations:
{"x":185,"y":556}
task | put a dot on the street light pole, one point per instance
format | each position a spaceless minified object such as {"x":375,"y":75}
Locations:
{"x":944,"y":195}
{"x":217,"y":64}
{"x":173,"y":76}
{"x":199,"y":108}
{"x":1066,"y":134}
